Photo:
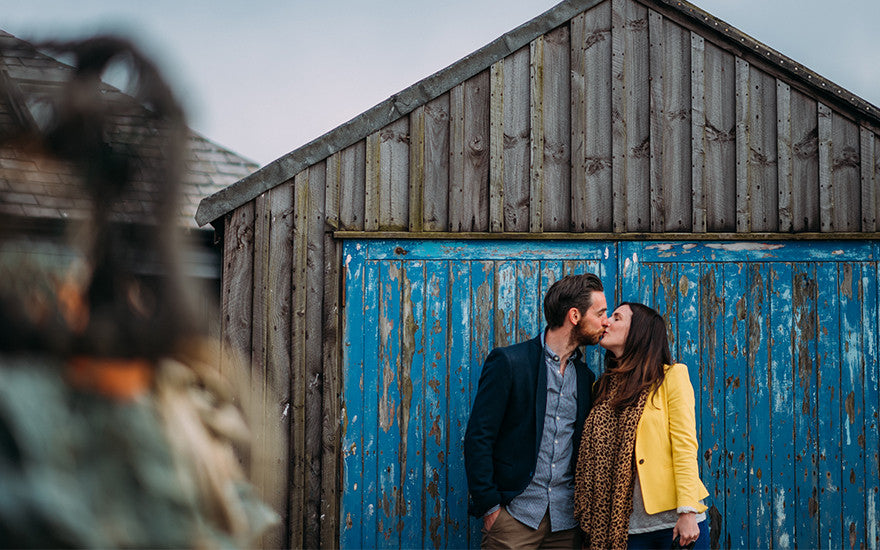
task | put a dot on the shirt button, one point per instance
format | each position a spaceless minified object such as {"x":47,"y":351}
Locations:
{"x":556,"y":441}
{"x":641,"y":461}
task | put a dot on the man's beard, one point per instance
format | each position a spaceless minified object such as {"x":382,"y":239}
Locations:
{"x":581,"y":335}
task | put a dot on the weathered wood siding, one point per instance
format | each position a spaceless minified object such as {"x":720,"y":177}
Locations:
{"x":631,"y":116}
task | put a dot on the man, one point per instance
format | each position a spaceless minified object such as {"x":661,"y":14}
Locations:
{"x":525,"y":426}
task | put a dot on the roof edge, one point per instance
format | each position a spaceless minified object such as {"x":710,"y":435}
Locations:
{"x":386,"y":112}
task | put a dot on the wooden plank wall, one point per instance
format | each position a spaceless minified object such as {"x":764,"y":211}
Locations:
{"x":623,"y":119}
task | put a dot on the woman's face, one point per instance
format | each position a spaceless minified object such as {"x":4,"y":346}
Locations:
{"x":617,"y":330}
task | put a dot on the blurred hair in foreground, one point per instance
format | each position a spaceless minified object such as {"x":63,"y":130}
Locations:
{"x":117,"y":427}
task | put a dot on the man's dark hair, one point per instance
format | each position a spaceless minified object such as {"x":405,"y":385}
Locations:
{"x":568,"y":292}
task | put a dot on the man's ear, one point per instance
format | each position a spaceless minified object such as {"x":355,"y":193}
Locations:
{"x":574,"y":315}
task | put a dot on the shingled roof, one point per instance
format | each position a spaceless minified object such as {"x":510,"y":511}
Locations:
{"x":430,"y":88}
{"x":37,"y":187}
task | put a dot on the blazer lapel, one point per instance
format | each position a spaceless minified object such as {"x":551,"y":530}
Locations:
{"x":537,"y":359}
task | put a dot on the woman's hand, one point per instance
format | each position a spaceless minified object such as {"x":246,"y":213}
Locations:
{"x":686,"y":528}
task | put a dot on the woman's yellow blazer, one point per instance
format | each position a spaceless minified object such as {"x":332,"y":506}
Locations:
{"x":666,"y":446}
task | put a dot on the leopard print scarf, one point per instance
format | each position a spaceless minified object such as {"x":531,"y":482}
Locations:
{"x":605,"y":472}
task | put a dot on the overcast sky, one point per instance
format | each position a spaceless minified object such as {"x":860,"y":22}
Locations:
{"x":264,"y":77}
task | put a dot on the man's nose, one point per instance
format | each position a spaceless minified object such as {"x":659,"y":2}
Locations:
{"x":605,"y":321}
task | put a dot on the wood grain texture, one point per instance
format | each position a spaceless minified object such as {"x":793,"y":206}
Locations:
{"x":416,"y":169}
{"x":469,"y":178}
{"x":698,"y":133}
{"x":743,"y":134}
{"x":826,"y":207}
{"x":868,"y":183}
{"x":299,"y":362}
{"x":272,"y":381}
{"x":237,"y":284}
{"x":763,"y":186}
{"x":805,"y":163}
{"x":496,"y":147}
{"x":846,"y":184}
{"x":435,"y":199}
{"x":618,"y":115}
{"x":671,"y":187}
{"x":556,"y":99}
{"x":393,"y":174}
{"x":516,"y":140}
{"x":722,"y":168}
{"x":536,"y":115}
{"x":352,"y":191}
{"x":637,"y":113}
{"x":332,"y":387}
{"x":591,"y":186}
{"x":314,"y":330}
{"x":784,"y":154}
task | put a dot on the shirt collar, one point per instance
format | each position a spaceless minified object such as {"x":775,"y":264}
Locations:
{"x":575,"y":355}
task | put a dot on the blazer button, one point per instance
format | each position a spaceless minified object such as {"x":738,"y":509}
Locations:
{"x":641,"y":461}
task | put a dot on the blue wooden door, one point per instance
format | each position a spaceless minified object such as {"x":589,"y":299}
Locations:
{"x":781,"y":343}
{"x":419,"y":318}
{"x":780,"y":340}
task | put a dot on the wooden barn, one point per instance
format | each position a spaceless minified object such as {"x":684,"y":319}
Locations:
{"x":367,"y":274}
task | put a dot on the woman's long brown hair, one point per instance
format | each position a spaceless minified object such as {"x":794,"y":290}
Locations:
{"x":645,"y":352}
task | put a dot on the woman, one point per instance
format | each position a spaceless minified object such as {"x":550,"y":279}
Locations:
{"x":637,"y":484}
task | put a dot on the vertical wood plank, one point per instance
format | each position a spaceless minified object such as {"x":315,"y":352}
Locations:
{"x":870,"y":288}
{"x":371,"y":376}
{"x":805,"y":163}
{"x":676,"y":138}
{"x":265,"y":458}
{"x":804,"y":293}
{"x":536,"y":111}
{"x":393,"y":175}
{"x":556,"y":97}
{"x":743,"y":135}
{"x":460,"y":339}
{"x":352,"y":190}
{"x":411,"y":376}
{"x":852,"y":387}
{"x":712,"y":304}
{"x":416,"y":169}
{"x":299,"y":359}
{"x":846,"y":192}
{"x":784,"y":154}
{"x":698,"y":133}
{"x":353,"y":377}
{"x":688,"y":290}
{"x":759,"y":386}
{"x":483,"y":291}
{"x":763,"y":185}
{"x":868,"y":183}
{"x":388,"y":434}
{"x":591,"y":191}
{"x":496,"y":147}
{"x":435,"y":190}
{"x":736,"y":439}
{"x":373,"y":181}
{"x":782,"y":406}
{"x":826,"y":179}
{"x":657,"y":61}
{"x":237,"y":283}
{"x":332,"y":189}
{"x":721,"y":170}
{"x":274,"y":426}
{"x":314,"y":331}
{"x":637,"y":112}
{"x":436,"y":397}
{"x":829,"y":406}
{"x":469,"y":200}
{"x":618,"y":116}
{"x":516,"y":140}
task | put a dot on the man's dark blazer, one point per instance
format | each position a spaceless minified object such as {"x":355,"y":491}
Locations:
{"x":504,"y":430}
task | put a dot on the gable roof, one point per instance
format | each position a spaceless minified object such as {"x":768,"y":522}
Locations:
{"x":422,"y":92}
{"x":36,"y":187}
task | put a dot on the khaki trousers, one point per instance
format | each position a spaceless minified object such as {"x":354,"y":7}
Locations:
{"x":508,"y":532}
